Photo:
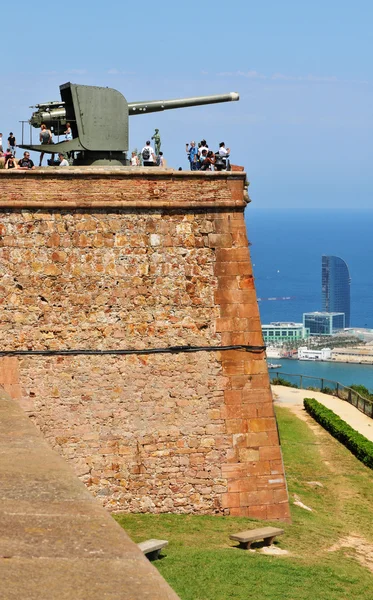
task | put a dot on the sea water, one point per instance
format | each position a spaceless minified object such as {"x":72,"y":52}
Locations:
{"x":347,"y":374}
{"x":286,"y":250}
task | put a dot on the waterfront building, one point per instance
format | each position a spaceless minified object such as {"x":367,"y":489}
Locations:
{"x":324,"y":323}
{"x":357,"y":354}
{"x":279,"y":332}
{"x":335,"y":286}
{"x":306,"y":354}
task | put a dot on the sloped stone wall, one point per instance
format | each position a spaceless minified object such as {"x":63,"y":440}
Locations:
{"x":108,"y":260}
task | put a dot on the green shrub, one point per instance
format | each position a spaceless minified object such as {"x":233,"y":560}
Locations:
{"x":362,"y":390}
{"x":344,"y":433}
{"x":284,"y":382}
{"x":328,"y":390}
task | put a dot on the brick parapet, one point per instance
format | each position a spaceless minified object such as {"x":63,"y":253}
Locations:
{"x":186,"y":432}
{"x":124,"y":188}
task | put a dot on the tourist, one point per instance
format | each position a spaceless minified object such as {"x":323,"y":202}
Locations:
{"x":12,"y":143}
{"x":63,"y":161}
{"x":45,"y":138}
{"x":207,"y":160}
{"x":160,"y":160}
{"x":68,"y":133}
{"x":203,"y":157}
{"x":211,"y":160}
{"x":11,"y":163}
{"x":148,"y":155}
{"x":7,"y":154}
{"x":223,"y":151}
{"x":135,"y":161}
{"x":202,"y":146}
{"x":221,"y":162}
{"x":192,"y":153}
{"x":26,"y":163}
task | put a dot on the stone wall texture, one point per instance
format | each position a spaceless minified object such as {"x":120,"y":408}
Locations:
{"x":97,"y":260}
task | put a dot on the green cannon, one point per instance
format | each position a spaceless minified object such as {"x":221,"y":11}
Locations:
{"x":98,"y":118}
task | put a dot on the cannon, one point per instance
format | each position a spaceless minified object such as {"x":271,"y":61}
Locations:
{"x":98,"y":118}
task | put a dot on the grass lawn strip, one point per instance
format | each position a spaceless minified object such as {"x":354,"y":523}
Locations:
{"x":201,"y":563}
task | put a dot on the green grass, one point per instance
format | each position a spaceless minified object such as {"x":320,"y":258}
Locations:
{"x":201,"y":563}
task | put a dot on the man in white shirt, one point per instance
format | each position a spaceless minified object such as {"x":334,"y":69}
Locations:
{"x":223,"y":151}
{"x":202,"y":146}
{"x":63,"y":161}
{"x":148,"y":155}
{"x":222,"y":158}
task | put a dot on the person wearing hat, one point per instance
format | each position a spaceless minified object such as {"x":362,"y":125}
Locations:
{"x":12,"y":143}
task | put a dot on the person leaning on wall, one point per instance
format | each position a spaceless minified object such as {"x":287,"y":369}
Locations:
{"x":26,"y":163}
{"x":11,"y":163}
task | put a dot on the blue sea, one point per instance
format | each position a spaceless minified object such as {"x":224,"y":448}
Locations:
{"x":286,"y":250}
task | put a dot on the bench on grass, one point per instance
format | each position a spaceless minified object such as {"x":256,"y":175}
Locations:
{"x":152,"y":548}
{"x":245,"y":538}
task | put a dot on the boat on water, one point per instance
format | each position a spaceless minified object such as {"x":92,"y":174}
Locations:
{"x":274,"y":366}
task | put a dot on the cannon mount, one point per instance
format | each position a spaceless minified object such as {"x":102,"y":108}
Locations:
{"x":98,"y":118}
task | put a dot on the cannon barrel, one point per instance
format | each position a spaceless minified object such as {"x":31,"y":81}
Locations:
{"x":138,"y":108}
{"x":53,"y":114}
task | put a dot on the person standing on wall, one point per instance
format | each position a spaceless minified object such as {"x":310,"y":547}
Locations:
{"x":192,"y":153}
{"x":12,"y":143}
{"x":135,"y":161}
{"x":148,"y":155}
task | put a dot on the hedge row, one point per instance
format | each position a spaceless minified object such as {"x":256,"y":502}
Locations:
{"x":349,"y":437}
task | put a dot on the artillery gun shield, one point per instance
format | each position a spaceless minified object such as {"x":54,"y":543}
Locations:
{"x":100,"y":115}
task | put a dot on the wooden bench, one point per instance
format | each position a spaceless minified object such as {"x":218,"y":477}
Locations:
{"x":152,"y":548}
{"x":245,"y":538}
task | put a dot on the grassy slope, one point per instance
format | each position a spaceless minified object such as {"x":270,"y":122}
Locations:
{"x":201,"y":563}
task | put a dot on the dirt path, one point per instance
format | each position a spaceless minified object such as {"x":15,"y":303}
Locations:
{"x":294,"y":397}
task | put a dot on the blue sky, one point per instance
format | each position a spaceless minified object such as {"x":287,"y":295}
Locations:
{"x":304,"y":124}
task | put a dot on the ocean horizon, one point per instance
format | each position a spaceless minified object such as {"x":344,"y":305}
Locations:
{"x":286,"y":249}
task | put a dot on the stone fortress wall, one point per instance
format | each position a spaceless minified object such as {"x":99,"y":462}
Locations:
{"x":112,"y":259}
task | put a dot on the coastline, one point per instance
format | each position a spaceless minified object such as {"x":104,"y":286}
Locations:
{"x":331,"y":360}
{"x":328,"y":370}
